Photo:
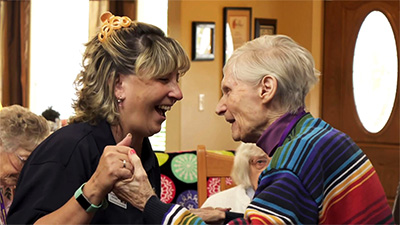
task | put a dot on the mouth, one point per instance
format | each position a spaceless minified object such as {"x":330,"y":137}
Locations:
{"x":162,"y":109}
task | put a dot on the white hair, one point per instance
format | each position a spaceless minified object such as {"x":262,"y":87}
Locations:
{"x":279,"y":56}
{"x":241,"y":164}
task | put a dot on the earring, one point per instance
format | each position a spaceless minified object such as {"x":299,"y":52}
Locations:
{"x":120,"y":99}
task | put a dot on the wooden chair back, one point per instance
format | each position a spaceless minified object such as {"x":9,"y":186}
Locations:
{"x":211,"y":164}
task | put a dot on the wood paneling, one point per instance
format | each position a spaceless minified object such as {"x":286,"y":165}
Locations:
{"x":342,"y":23}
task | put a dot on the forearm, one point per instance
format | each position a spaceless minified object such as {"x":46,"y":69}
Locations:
{"x":157,"y":212}
{"x":72,"y":212}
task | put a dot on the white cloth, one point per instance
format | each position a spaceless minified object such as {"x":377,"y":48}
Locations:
{"x":235,"y":198}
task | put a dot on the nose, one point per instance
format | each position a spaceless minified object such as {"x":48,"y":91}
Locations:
{"x":176,"y":92}
{"x":221,"y":107}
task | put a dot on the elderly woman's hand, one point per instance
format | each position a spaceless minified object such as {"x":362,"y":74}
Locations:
{"x":113,"y":166}
{"x":137,"y":190}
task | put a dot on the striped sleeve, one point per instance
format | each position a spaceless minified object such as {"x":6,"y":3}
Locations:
{"x":157,"y":212}
{"x":282,"y":199}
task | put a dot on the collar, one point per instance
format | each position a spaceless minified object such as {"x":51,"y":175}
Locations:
{"x":276,"y":133}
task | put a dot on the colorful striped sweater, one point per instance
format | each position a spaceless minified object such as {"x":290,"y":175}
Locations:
{"x":318,"y":176}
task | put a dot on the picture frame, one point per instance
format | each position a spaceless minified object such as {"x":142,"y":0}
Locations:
{"x":264,"y":26}
{"x":237,"y":29}
{"x":203,"y":41}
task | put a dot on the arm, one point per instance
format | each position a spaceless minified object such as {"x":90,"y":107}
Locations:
{"x":139,"y":193}
{"x":212,"y":215}
{"x":108,"y":171}
{"x":283,"y":200}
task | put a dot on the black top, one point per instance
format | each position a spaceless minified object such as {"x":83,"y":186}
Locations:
{"x":61,"y":164}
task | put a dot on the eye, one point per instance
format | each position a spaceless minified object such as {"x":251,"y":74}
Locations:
{"x":22,"y":159}
{"x":163,"y":79}
{"x":226,"y":90}
{"x":261,"y":161}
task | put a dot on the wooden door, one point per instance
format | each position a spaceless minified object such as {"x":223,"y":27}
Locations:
{"x":343,"y":20}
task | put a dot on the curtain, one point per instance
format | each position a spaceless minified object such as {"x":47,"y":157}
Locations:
{"x":118,"y":8}
{"x":15,"y":39}
{"x":96,"y":9}
{"x":14,"y":52}
{"x":124,"y":8}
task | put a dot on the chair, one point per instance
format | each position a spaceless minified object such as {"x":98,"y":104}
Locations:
{"x":210,"y":164}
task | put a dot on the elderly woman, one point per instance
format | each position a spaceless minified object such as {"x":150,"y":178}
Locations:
{"x":248,"y":164}
{"x":317,"y":174}
{"x":20,"y":132}
{"x":129,"y":81}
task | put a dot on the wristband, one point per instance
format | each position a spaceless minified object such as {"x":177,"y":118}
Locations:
{"x":86,"y":204}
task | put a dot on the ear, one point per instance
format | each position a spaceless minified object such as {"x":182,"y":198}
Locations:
{"x":118,"y":86}
{"x":269,"y":85}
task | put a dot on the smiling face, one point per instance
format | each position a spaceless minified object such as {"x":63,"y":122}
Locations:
{"x":146,"y":100}
{"x":242,"y":106}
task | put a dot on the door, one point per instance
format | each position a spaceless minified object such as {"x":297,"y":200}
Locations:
{"x":343,"y":20}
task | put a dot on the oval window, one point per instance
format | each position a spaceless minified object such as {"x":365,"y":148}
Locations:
{"x":375,"y":71}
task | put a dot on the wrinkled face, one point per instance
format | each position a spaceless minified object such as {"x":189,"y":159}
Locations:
{"x":11,"y":164}
{"x":241,"y":106}
{"x":257,"y":165}
{"x":146,"y":102}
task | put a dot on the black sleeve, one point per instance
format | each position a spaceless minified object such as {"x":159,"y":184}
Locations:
{"x":50,"y":177}
{"x":155,"y":210}
{"x":231,"y":216}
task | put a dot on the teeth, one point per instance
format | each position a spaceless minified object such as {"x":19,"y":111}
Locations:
{"x":164,"y":107}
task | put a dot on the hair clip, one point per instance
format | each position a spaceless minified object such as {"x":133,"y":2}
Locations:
{"x":110,"y":23}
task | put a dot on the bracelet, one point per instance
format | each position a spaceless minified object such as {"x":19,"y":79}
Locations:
{"x":86,"y":204}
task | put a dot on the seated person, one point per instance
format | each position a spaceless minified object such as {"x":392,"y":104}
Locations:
{"x":20,"y":132}
{"x":248,"y":164}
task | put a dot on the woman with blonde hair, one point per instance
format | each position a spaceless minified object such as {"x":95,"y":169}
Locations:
{"x":129,"y":81}
{"x":20,"y":132}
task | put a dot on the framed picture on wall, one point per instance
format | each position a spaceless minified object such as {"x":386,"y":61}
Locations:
{"x":264,"y":26}
{"x":237,"y":29}
{"x":203,"y":44}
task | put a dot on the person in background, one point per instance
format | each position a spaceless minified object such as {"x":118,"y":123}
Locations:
{"x":249,"y":162}
{"x":20,"y":132}
{"x":128,"y":82}
{"x":317,"y":174}
{"x":53,"y":118}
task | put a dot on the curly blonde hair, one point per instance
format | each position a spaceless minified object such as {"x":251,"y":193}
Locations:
{"x":141,"y":50}
{"x":20,"y":127}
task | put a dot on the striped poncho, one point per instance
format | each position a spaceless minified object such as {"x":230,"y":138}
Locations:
{"x":317,"y":176}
